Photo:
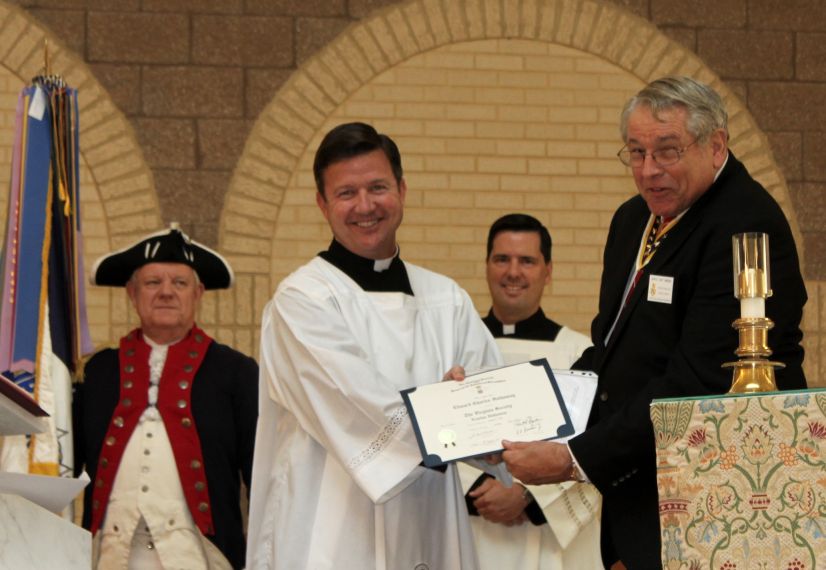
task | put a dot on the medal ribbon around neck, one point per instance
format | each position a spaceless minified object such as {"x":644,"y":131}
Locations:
{"x":658,"y":227}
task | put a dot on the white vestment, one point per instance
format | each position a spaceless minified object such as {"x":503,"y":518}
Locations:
{"x":570,"y":540}
{"x":337,"y":481}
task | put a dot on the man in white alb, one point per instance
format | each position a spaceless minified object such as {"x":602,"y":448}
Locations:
{"x":534,"y":527}
{"x":337,"y":480}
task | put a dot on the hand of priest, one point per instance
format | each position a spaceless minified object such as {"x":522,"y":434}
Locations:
{"x":499,"y":504}
{"x":538,"y":462}
{"x":455,"y":373}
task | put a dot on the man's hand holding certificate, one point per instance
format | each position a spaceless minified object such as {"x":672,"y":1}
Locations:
{"x":457,"y":420}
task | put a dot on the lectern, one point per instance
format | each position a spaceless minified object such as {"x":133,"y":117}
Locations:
{"x":742,"y":481}
{"x":32,"y":537}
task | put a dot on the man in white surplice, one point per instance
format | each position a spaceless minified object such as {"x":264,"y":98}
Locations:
{"x":337,"y":480}
{"x":542,"y":527}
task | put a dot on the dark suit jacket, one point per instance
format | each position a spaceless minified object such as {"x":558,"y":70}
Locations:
{"x":660,"y":350}
{"x":225,"y":409}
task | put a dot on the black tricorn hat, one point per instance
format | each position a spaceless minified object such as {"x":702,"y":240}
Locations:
{"x":167,"y":246}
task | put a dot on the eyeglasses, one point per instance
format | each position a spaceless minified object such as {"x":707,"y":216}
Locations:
{"x":635,"y":157}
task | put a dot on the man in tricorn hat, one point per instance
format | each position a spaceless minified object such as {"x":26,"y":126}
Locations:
{"x":165,"y":424}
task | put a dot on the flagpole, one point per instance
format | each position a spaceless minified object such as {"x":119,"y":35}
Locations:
{"x":47,"y":66}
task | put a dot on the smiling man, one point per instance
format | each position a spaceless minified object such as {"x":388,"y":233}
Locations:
{"x":337,"y":481}
{"x":666,"y":306}
{"x":165,"y":424}
{"x":549,"y":527}
{"x":518,"y":268}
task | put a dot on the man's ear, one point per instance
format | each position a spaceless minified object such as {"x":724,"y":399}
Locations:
{"x":719,"y":147}
{"x":131,"y":290}
{"x":402,"y":189}
{"x":199,"y":291}
{"x":321,"y":202}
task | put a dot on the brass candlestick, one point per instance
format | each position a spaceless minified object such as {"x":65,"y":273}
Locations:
{"x":753,"y":372}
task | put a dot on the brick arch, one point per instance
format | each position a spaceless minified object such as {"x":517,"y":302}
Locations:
{"x":117,"y":189}
{"x":269,"y":224}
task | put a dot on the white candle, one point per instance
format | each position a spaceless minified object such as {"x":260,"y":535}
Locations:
{"x":752,"y":307}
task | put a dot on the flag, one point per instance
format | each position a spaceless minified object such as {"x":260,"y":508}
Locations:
{"x":43,"y":328}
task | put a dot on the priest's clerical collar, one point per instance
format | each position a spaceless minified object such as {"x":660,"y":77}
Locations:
{"x":535,"y":327}
{"x":374,"y":275}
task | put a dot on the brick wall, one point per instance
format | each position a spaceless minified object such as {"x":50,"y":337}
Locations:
{"x":156,"y":56}
{"x":199,"y":80}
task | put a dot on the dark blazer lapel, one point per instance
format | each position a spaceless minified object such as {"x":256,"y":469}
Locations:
{"x":618,"y":268}
{"x":623,"y":318}
{"x":670,"y":247}
{"x":622,"y":268}
{"x":673,"y":241}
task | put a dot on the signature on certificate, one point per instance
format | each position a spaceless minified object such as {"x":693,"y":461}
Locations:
{"x":527,"y":425}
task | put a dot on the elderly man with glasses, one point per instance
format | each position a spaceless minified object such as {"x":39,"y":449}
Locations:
{"x":666,"y":306}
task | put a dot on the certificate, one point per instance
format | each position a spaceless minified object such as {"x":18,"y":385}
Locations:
{"x":578,"y":388}
{"x":456,"y":420}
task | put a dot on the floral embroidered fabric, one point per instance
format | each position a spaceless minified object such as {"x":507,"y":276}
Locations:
{"x":742,"y":481}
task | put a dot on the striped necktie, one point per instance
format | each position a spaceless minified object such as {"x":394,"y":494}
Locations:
{"x":657,"y":230}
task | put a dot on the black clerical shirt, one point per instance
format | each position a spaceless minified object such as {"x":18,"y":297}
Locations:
{"x":392,"y":279}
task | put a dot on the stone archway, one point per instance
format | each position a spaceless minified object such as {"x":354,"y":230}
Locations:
{"x":117,"y":190}
{"x":456,"y":83}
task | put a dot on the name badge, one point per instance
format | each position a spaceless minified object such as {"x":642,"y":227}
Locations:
{"x":660,"y":289}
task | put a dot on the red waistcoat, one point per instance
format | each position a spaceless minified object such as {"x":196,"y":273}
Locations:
{"x":175,"y":406}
